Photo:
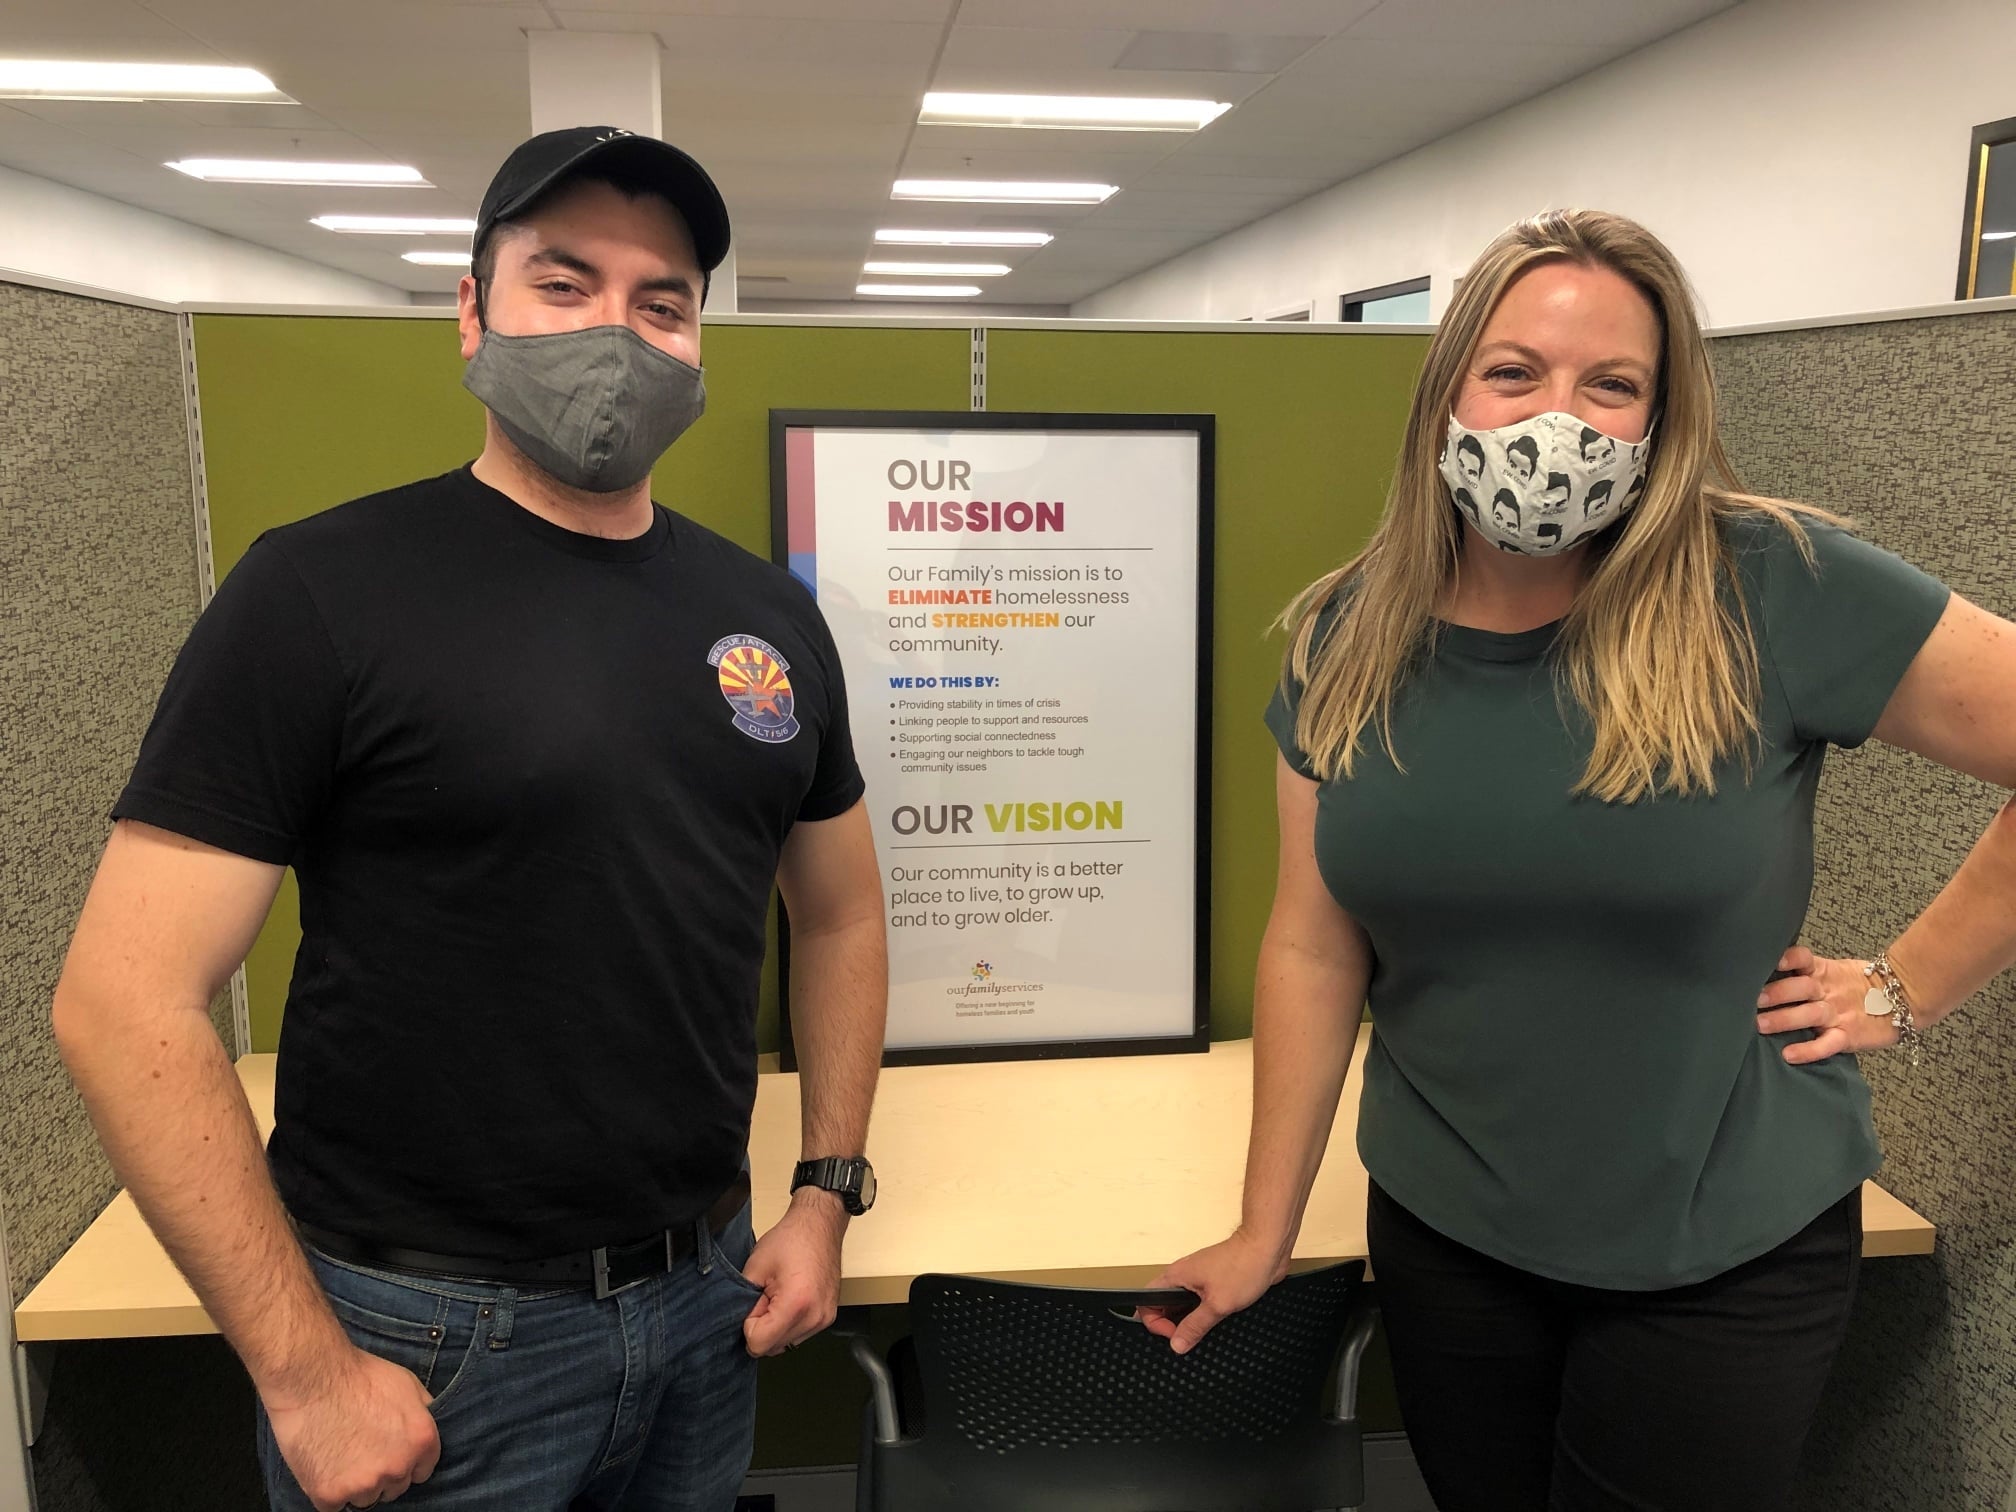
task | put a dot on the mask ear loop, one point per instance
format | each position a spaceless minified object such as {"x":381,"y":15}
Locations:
{"x":482,"y":318}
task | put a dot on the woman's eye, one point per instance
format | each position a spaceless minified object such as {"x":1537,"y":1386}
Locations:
{"x":1620,"y":386}
{"x":1506,"y":374}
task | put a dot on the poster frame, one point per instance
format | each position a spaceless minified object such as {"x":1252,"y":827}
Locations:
{"x":1197,"y":1039}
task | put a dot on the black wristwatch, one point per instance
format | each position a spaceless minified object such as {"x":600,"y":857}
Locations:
{"x":850,"y":1178}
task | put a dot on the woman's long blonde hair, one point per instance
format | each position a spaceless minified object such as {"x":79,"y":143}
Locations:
{"x":1657,"y":650}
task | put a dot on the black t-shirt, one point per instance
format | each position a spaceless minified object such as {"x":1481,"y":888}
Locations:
{"x":534,"y":785}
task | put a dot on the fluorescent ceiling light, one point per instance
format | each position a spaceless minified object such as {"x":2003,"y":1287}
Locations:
{"x":437,"y":259}
{"x":1069,"y":112}
{"x":396,"y":225}
{"x":1000,"y":192}
{"x":49,"y":79}
{"x":964,"y":238}
{"x":1997,"y":235}
{"x":937,"y":270}
{"x":254,"y":171}
{"x":927,"y":291}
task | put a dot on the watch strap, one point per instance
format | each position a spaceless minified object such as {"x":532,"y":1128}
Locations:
{"x":846,"y":1176}
{"x":829,"y":1173}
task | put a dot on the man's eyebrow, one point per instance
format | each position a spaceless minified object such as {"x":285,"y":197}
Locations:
{"x":560,"y":257}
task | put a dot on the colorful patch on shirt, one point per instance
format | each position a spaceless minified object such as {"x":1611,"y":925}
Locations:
{"x":754,"y":680}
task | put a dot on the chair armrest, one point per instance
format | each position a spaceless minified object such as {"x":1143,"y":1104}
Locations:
{"x":881,"y":1385}
{"x":1357,"y":1335}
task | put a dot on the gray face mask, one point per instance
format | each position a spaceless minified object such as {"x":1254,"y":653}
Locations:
{"x":595,"y":407}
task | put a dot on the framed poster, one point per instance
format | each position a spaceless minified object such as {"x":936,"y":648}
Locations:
{"x":1022,"y":605}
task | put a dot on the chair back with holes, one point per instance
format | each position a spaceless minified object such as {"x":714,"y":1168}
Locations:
{"x":1056,"y":1398}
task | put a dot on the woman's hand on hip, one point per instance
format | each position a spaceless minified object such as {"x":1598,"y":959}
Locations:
{"x":1826,"y":995}
{"x":1227,"y":1277}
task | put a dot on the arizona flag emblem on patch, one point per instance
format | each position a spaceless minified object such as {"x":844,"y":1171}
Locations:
{"x":756,"y":682}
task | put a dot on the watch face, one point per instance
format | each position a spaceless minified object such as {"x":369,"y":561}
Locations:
{"x":867,"y":1186}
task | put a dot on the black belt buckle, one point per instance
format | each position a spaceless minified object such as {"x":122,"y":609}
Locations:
{"x":631,"y":1263}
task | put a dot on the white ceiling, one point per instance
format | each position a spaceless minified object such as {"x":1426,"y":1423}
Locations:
{"x":805,"y":111}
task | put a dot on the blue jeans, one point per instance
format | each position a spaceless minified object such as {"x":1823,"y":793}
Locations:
{"x":550,"y":1401}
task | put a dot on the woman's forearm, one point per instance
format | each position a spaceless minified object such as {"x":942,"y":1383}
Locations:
{"x":1967,"y":934}
{"x":1306,"y":1009}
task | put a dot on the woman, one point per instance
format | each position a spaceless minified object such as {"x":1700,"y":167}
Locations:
{"x":1548,"y":808}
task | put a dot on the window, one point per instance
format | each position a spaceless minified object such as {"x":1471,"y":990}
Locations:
{"x":1391,"y":304}
{"x":1988,"y":223}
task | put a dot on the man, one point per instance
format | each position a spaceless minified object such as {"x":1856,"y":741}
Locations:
{"x":536,"y":749}
{"x":1597,"y":448}
{"x":1554,"y":497}
{"x":1470,"y":460}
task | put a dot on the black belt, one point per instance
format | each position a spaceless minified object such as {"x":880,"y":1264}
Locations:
{"x":608,"y":1269}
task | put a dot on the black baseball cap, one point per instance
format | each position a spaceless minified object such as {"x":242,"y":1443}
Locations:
{"x":551,"y":158}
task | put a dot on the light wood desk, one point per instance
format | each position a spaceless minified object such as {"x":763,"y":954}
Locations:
{"x":1087,"y":1172}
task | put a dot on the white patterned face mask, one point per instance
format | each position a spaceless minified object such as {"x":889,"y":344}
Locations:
{"x":1543,"y":485}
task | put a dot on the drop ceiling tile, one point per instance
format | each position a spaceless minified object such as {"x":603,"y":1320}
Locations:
{"x":300,"y":28}
{"x":1601,"y":23}
{"x":946,"y":152}
{"x":97,"y":31}
{"x":1286,"y":18}
{"x":1530,"y":65}
{"x":1252,"y":185}
{"x":757,"y":45}
{"x":675,"y":12}
{"x":1212,"y":52}
{"x":1046,"y":53}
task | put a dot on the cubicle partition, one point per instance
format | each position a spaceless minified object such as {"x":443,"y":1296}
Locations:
{"x":1907,"y":425}
{"x":303,"y":411}
{"x":1902,"y":423}
{"x":99,"y":583}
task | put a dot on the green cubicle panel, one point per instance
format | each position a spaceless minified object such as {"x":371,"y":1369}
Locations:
{"x":301,"y":412}
{"x":1309,"y":424}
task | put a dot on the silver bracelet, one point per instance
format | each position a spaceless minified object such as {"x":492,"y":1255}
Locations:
{"x":1885,"y":999}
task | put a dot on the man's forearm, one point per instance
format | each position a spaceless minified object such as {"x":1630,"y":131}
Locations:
{"x":1305,"y":1029}
{"x":839,"y":1006}
{"x":175,"y":1121}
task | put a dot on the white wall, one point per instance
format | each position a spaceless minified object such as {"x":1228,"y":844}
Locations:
{"x":54,"y":231}
{"x":1801,"y":157}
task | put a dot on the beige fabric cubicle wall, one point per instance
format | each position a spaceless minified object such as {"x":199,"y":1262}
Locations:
{"x":99,"y":585}
{"x":1908,"y":426}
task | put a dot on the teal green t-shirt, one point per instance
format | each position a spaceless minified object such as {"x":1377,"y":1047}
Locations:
{"x":1565,"y":1071}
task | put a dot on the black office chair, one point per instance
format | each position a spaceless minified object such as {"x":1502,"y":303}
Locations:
{"x":1013,"y":1398}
